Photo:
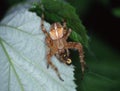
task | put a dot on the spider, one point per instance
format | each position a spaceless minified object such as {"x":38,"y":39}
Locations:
{"x":56,"y":41}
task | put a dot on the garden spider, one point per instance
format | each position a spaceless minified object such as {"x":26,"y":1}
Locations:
{"x":57,"y":44}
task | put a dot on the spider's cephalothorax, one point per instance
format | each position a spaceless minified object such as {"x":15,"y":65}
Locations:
{"x":57,"y":44}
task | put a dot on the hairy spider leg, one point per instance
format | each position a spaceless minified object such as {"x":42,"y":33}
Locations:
{"x":68,"y":32}
{"x":42,"y":26}
{"x":78,"y":46}
{"x":49,"y":55}
{"x":64,"y":24}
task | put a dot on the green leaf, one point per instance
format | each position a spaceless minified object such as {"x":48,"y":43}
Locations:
{"x":23,"y":57}
{"x":56,"y":11}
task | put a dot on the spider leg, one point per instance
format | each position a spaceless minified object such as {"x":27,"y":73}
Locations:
{"x":42,"y":26}
{"x":64,"y":24}
{"x":67,"y":34}
{"x":64,"y":27}
{"x":78,"y":46}
{"x":49,"y":55}
{"x":67,"y":51}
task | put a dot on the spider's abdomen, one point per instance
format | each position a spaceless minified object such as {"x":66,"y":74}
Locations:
{"x":56,"y":31}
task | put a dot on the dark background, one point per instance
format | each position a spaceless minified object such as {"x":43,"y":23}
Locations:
{"x":102,"y":22}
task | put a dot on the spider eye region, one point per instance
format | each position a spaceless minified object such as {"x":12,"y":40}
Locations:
{"x":56,"y":31}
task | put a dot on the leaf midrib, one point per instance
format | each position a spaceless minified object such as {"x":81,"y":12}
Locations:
{"x":10,"y":62}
